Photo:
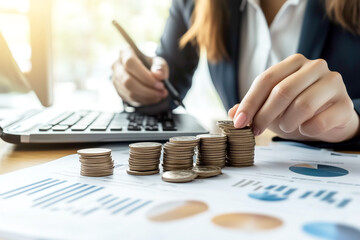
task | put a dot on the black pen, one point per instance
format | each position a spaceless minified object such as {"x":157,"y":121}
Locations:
{"x":172,"y":91}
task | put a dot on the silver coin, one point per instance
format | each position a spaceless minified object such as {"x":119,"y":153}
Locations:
{"x":94,"y":151}
{"x":179,"y":176}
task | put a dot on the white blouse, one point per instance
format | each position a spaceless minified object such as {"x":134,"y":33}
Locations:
{"x":262,"y":46}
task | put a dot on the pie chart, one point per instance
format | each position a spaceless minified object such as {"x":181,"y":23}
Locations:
{"x":266,"y":196}
{"x":251,"y":222}
{"x":332,"y":231}
{"x":176,"y":210}
{"x":318,"y":170}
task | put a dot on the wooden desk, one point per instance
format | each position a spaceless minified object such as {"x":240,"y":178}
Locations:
{"x":14,"y":157}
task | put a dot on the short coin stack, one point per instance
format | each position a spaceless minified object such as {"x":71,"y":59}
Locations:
{"x":144,"y":158}
{"x":96,"y":162}
{"x":212,"y":150}
{"x":241,"y":144}
{"x":179,"y":153}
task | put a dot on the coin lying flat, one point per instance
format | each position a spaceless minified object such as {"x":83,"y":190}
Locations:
{"x":179,"y":176}
{"x":96,"y":162}
{"x":207,"y":171}
{"x":143,"y":145}
{"x":184,"y":139}
{"x":91,"y":152}
{"x":144,"y":158}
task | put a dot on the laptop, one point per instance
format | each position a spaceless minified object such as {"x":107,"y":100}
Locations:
{"x":51,"y":125}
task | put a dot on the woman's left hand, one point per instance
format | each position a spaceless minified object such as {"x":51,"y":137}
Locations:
{"x":299,"y":99}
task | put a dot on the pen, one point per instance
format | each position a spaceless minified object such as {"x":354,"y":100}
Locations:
{"x":171,"y":89}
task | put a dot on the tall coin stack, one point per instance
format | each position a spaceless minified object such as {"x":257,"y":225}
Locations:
{"x":96,"y":162}
{"x":241,"y":144}
{"x":144,"y":158}
{"x":212,"y":150}
{"x":179,"y":153}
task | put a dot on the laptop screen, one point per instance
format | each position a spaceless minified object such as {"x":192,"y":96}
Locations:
{"x":16,"y":95}
{"x":11,"y":77}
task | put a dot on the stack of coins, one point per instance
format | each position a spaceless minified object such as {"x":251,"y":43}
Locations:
{"x":241,"y":144}
{"x":96,"y":162}
{"x":144,"y":158}
{"x":212,"y":150}
{"x":179,"y":153}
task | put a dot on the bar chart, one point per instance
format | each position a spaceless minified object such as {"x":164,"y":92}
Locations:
{"x":275,"y":193}
{"x":75,"y":198}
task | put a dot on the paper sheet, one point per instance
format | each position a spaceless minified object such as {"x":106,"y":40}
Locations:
{"x":291,"y":192}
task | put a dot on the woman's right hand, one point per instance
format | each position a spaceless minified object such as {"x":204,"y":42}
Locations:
{"x":136,"y":84}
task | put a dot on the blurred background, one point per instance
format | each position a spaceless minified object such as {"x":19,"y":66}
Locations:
{"x":81,"y":44}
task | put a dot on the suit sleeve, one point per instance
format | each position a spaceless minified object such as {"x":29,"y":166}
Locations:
{"x":182,"y":62}
{"x":356,"y":102}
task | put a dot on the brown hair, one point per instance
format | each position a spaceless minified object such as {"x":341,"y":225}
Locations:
{"x":210,"y":20}
{"x":209,"y":24}
{"x":346,"y":13}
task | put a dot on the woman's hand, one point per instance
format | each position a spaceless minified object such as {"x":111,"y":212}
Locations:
{"x":135,"y":83}
{"x":299,"y":99}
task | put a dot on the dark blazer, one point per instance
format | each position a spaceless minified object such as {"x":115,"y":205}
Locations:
{"x":319,"y":38}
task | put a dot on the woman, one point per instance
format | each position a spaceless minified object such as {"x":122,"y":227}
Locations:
{"x":295,"y":65}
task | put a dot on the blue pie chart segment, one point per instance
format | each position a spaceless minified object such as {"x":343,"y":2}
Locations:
{"x":332,"y":231}
{"x":318,"y":170}
{"x":266,"y":196}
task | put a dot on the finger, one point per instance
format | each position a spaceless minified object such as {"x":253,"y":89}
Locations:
{"x":141,"y":93}
{"x":160,"y":68}
{"x":284,"y":93}
{"x":136,"y":68}
{"x":262,"y":86}
{"x":232,"y":111}
{"x":133,"y":91}
{"x":118,"y":73}
{"x":313,"y":100}
{"x":335,"y":116}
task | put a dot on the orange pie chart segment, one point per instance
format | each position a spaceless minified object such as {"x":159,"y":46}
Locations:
{"x":176,"y":210}
{"x":247,"y":221}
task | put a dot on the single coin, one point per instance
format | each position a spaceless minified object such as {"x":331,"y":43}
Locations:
{"x":142,"y":173}
{"x":225,"y":122}
{"x":96,"y":174}
{"x":207,"y":171}
{"x":184,"y":139}
{"x":179,"y":176}
{"x":94,"y":151}
{"x":221,"y":136}
{"x":93,"y":161}
{"x":145,"y":145}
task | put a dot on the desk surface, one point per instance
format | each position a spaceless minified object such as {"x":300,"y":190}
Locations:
{"x":14,"y":157}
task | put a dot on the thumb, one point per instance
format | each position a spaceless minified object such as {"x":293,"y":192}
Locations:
{"x":160,"y":68}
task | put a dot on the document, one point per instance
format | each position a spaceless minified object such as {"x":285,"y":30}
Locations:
{"x":291,"y":192}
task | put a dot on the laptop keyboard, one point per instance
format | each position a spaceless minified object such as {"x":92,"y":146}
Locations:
{"x":100,"y":121}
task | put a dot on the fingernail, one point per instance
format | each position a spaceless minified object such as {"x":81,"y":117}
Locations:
{"x":256,"y":131}
{"x":157,"y":68}
{"x":240,"y":120}
{"x":159,"y":85}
